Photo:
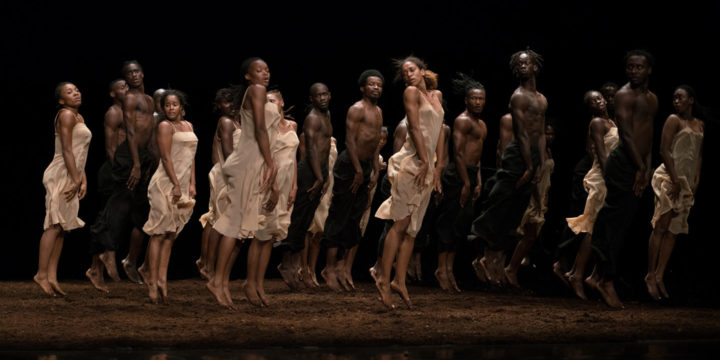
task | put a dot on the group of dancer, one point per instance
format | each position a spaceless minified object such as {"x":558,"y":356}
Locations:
{"x":273,"y":185}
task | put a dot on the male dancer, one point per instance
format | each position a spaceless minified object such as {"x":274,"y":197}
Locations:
{"x":627,"y":170}
{"x":352,"y":177}
{"x":104,"y":254}
{"x":461,"y":180}
{"x":311,"y":181}
{"x":521,"y":164}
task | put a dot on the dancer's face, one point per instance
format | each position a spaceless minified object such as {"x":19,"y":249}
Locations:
{"x":134,"y":75}
{"x":258,"y":73}
{"x":597,"y":102}
{"x":549,"y":135}
{"x":373,"y":87}
{"x":70,"y":96}
{"x":682,"y":102}
{"x":475,"y":100}
{"x":412,"y":74}
{"x":119,"y":89}
{"x":274,"y":98}
{"x":637,"y":69}
{"x":173,"y":108}
{"x":320,"y":96}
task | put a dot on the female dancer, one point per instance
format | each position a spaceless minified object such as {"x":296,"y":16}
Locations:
{"x":171,"y":190}
{"x":226,"y":135}
{"x":65,"y":185}
{"x":411,"y":173}
{"x":604,"y":138}
{"x":250,"y":171}
{"x":674,"y":182}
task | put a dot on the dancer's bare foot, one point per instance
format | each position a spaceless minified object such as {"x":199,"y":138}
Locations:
{"x":143,"y":274}
{"x":201,"y":269}
{"x":497,"y":267}
{"x":97,"y":281}
{"x":44,"y":285}
{"x":108,"y":260}
{"x":56,"y":287}
{"x":306,"y":278}
{"x":228,"y":297}
{"x":263,"y":297}
{"x":661,"y":287}
{"x":162,"y":288}
{"x":442,"y":279}
{"x":480,"y":270}
{"x":557,"y":270}
{"x":418,"y":270}
{"x":607,"y":290}
{"x":314,"y":279}
{"x":252,"y":295}
{"x":412,"y":271}
{"x":453,"y":283}
{"x":402,"y":291}
{"x":349,"y":280}
{"x":592,"y":282}
{"x":218,"y":294}
{"x":511,"y":277}
{"x":153,"y":294}
{"x":342,"y":277}
{"x":331,"y":280}
{"x":576,"y":284}
{"x":384,"y":290}
{"x":132,"y":272}
{"x":374,"y":273}
{"x":652,"y":286}
{"x":289,"y":276}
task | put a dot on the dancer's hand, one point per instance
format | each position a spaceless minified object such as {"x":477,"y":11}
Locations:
{"x":82,"y":191}
{"x":464,"y":194}
{"x":291,"y":196}
{"x":674,"y":191}
{"x":524,"y":178}
{"x":357,"y":181}
{"x":314,"y":190}
{"x":383,"y":165}
{"x":639,"y":184}
{"x":373,"y":182}
{"x":422,"y":173}
{"x":134,"y":177}
{"x":268,"y":178}
{"x":273,"y":198}
{"x":71,"y":190}
{"x":476,"y":194}
{"x":176,"y":193}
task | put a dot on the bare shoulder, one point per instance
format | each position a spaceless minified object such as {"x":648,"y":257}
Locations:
{"x":356,"y":110}
{"x":293,"y":125}
{"x":438,"y":94}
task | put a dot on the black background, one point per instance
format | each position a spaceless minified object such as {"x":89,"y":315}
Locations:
{"x":198,"y":48}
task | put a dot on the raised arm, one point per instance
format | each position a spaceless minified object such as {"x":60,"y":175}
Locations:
{"x":66,"y":124}
{"x":411,"y":100}
{"x":355,"y":116}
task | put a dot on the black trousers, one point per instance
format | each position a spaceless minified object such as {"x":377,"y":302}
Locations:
{"x":303,"y":209}
{"x":453,"y":222}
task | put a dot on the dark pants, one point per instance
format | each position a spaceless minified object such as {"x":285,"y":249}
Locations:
{"x":124,"y":208}
{"x":385,"y":187}
{"x":342,"y":227}
{"x":453,"y":222}
{"x":503,"y":210}
{"x":617,"y":213}
{"x":303,"y":209}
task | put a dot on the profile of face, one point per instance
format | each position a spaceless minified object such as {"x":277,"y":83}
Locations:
{"x":273,"y":97}
{"x":225,"y":108}
{"x":119,"y":89}
{"x":373,"y":88}
{"x":596,"y":102}
{"x":608,"y":93}
{"x":475,"y":100}
{"x":525,"y":66}
{"x":70,"y":96}
{"x":637,"y":69}
{"x":682,"y":101}
{"x":412,"y":74}
{"x":173,"y":108}
{"x":549,"y":135}
{"x":383,"y":138}
{"x":134,"y":75}
{"x":320,"y":96}
{"x":258,"y":73}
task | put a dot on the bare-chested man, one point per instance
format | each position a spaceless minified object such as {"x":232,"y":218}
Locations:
{"x":627,"y":169}
{"x":506,"y":135}
{"x":461,"y":180}
{"x":104,"y":254}
{"x":352,"y":177}
{"x":312,"y":173}
{"x":521,"y":164}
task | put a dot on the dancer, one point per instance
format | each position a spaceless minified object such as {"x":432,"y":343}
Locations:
{"x":311,"y":182}
{"x":534,"y":217}
{"x":171,"y":190}
{"x":608,"y":91}
{"x":159,"y":113}
{"x":507,"y":134}
{"x":103,"y":255}
{"x":627,"y":170}
{"x":411,"y":173}
{"x":352,"y":177}
{"x":274,"y":224}
{"x":227,"y":134}
{"x":65,"y":185}
{"x":674,"y":182}
{"x":461,"y":180}
{"x":521,"y":162}
{"x":604,"y":136}
{"x":250,"y":172}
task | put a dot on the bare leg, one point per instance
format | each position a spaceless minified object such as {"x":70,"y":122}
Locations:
{"x":313,"y":253}
{"x":521,"y":250}
{"x":558,"y":271}
{"x":209,"y":264}
{"x":153,"y":260}
{"x":481,"y":270}
{"x":329,"y":273}
{"x":130,"y":262}
{"x":666,"y":248}
{"x":201,"y":262}
{"x":305,"y":275}
{"x":411,"y":269}
{"x":108,"y":260}
{"x":349,"y":260}
{"x":228,"y":269}
{"x":593,"y":280}
{"x":441,"y":271}
{"x":657,"y":238}
{"x":607,"y":290}
{"x":165,"y":252}
{"x":46,"y":247}
{"x":417,"y":262}
{"x":251,"y":287}
{"x":53,"y":263}
{"x":288,"y":272}
{"x":390,"y":251}
{"x":222,"y":264}
{"x":450,"y":273}
{"x":576,"y":278}
{"x":95,"y":274}
{"x":403,"y":258}
{"x":265,"y":250}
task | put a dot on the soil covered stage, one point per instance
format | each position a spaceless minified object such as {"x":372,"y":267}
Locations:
{"x":87,"y":319}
